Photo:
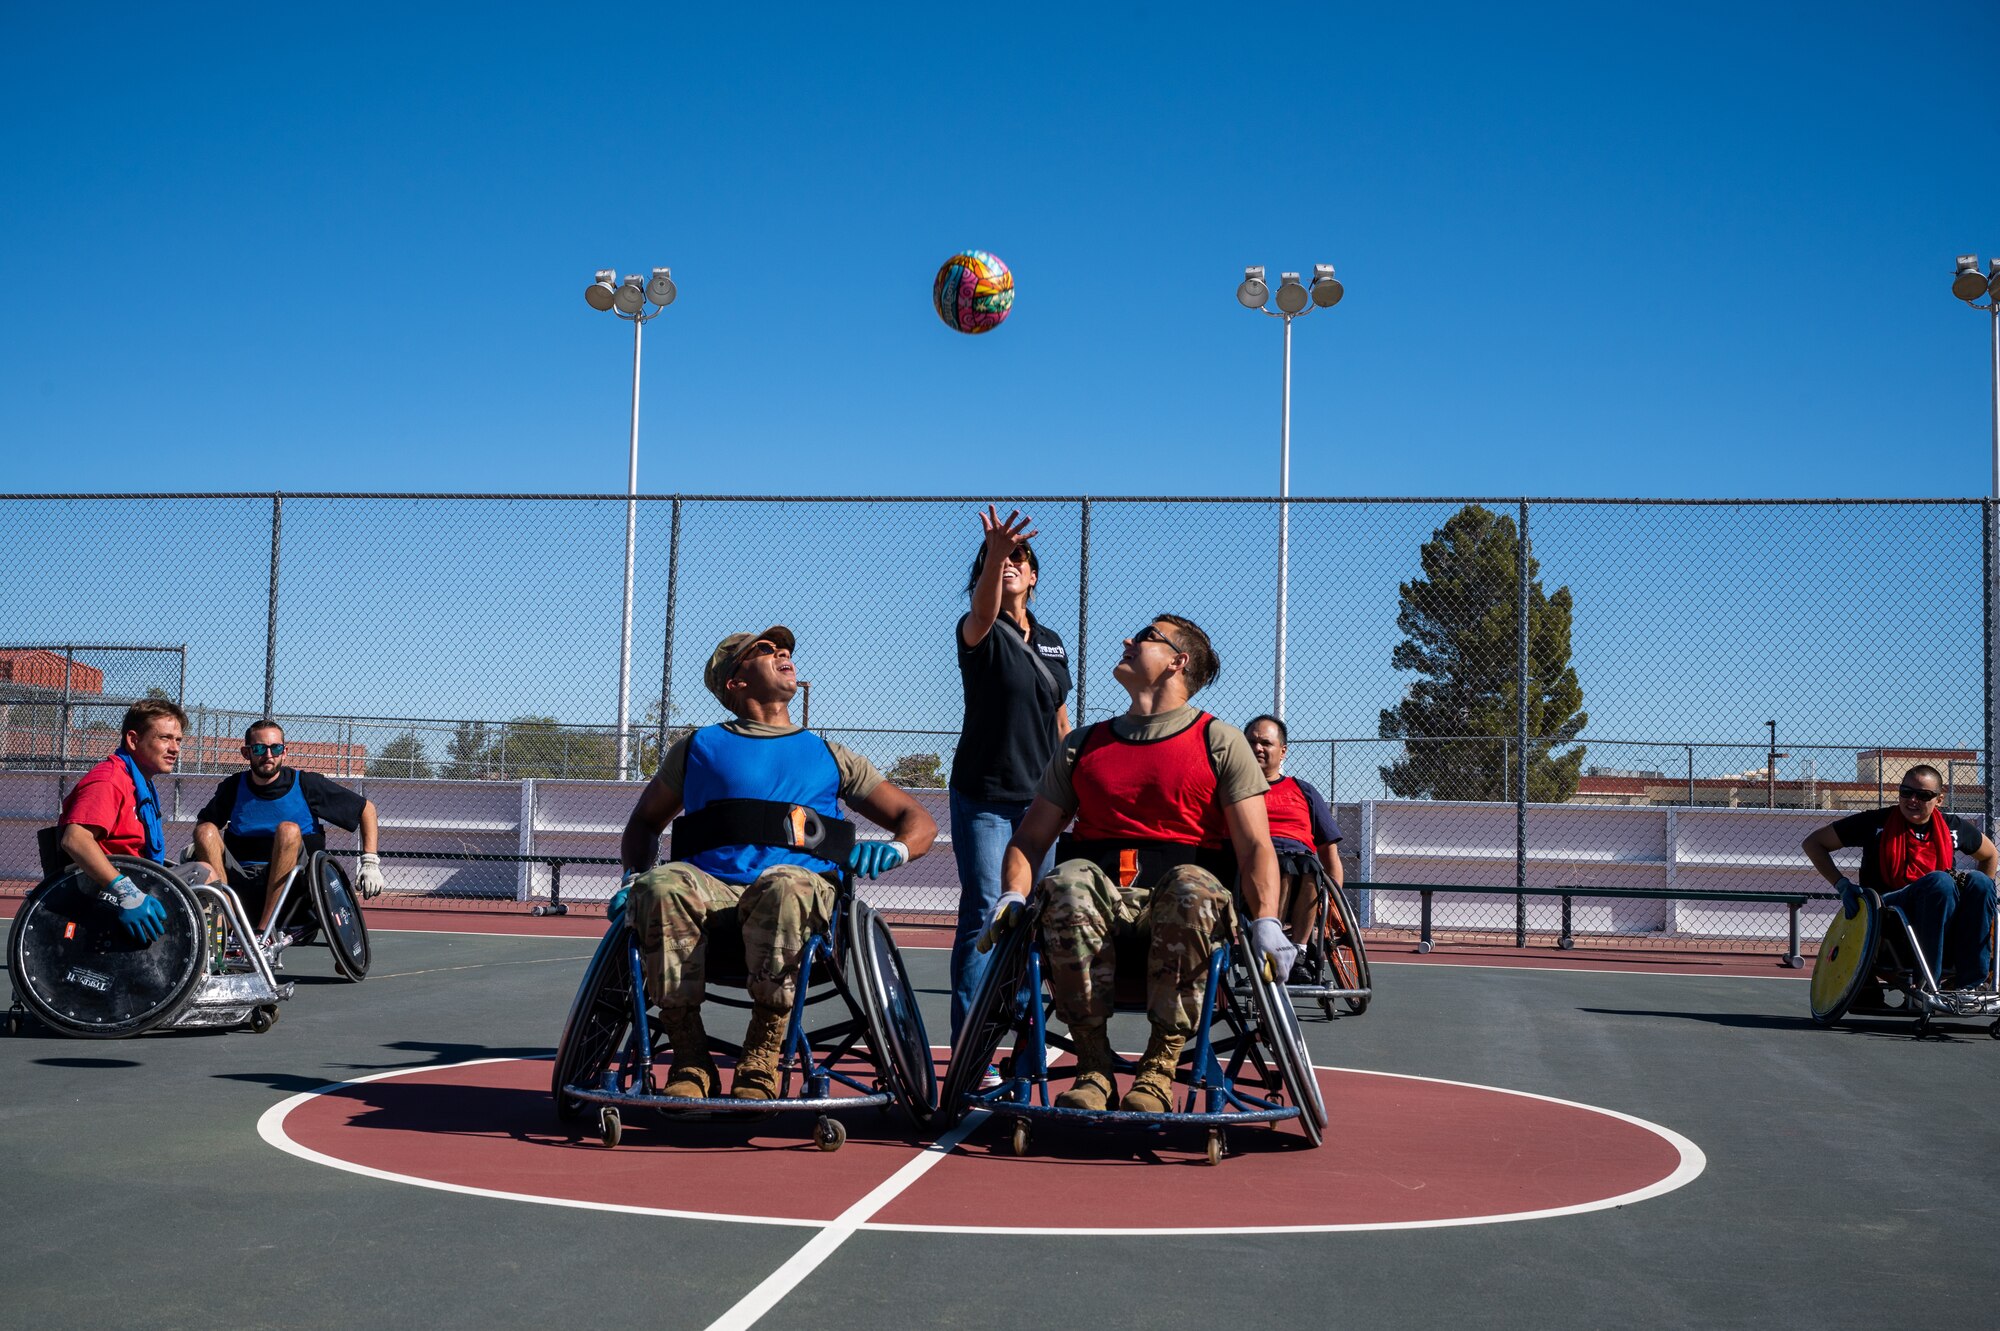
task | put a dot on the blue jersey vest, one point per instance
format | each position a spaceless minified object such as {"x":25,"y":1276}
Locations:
{"x":793,"y":769}
{"x":258,"y":819}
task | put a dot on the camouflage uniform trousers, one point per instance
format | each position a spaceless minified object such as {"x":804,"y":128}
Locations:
{"x":1081,"y":907}
{"x":779,"y":912}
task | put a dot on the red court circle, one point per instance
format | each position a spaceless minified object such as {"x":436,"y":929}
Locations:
{"x":1402,"y":1152}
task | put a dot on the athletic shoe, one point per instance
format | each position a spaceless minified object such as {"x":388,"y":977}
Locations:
{"x":991,"y":1080}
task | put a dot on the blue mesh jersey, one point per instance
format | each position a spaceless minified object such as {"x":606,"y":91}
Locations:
{"x":796,"y":768}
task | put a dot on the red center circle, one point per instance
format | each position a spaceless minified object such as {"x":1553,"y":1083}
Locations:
{"x":1401,"y":1151}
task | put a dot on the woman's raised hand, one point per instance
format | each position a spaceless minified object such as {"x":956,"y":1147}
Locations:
{"x":1003,"y":536}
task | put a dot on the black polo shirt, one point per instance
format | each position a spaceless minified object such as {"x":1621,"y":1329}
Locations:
{"x":1864,"y":829}
{"x":1009,"y":732}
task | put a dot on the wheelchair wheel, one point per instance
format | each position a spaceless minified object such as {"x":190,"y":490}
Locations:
{"x":79,"y":974}
{"x":995,"y":1011}
{"x":889,"y":1008}
{"x":1278,"y":1030}
{"x":1846,"y":959}
{"x":339,"y":910}
{"x":1346,"y":956}
{"x":599,"y":1019}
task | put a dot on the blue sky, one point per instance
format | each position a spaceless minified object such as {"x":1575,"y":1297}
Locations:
{"x":1690,"y":250}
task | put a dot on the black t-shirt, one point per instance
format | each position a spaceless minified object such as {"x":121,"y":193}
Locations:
{"x":1864,"y":829}
{"x":1009,"y":733}
{"x":329,"y":801}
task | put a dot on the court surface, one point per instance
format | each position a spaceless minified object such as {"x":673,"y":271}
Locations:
{"x":1553,"y":1147}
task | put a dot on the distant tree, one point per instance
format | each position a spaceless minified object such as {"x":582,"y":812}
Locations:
{"x":1461,"y":626}
{"x":917,"y":771}
{"x":469,"y":752}
{"x":402,"y":756}
{"x":649,"y":752}
{"x":157,"y":692}
{"x":542,"y":748}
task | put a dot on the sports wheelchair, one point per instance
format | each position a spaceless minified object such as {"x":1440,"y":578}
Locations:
{"x":77,"y":973}
{"x":1870,"y":965}
{"x":1333,"y":961}
{"x":1255,"y":1070}
{"x":327,"y":901}
{"x":611,"y":1043}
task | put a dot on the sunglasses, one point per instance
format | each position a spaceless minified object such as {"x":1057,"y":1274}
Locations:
{"x":259,"y":750}
{"x":1912,"y":793}
{"x":761,"y":648}
{"x":1151,"y":634}
{"x":1018,"y":555}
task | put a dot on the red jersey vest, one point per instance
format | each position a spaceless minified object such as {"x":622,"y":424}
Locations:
{"x":1147,"y":790}
{"x":1291,"y":817}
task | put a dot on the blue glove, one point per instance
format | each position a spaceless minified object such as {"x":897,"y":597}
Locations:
{"x":614,"y":910}
{"x":872,"y":859}
{"x":1850,"y":898}
{"x":1269,"y":944}
{"x":141,"y":917}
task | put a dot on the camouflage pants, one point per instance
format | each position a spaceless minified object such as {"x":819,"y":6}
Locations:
{"x":1081,"y":907}
{"x":779,"y":912}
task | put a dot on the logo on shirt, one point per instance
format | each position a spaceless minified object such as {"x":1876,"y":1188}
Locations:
{"x":1046,"y":650}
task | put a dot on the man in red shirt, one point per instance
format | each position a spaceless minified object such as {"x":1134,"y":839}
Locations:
{"x":115,"y":810}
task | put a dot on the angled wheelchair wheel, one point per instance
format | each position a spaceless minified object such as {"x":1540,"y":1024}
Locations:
{"x":995,"y":1012}
{"x":1846,"y":959}
{"x":338,"y":908}
{"x":896,"y":1034}
{"x":78,"y":973}
{"x":599,"y":1019}
{"x":1346,"y":956}
{"x":1278,"y":1030}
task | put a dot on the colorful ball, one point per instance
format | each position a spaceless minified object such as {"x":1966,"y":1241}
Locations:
{"x":973,"y":292}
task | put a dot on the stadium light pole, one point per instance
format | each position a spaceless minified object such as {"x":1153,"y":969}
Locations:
{"x":628,"y":301}
{"x":1293,"y":299}
{"x":1971,"y":286}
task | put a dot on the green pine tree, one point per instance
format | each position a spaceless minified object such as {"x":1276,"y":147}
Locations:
{"x":1461,"y":627}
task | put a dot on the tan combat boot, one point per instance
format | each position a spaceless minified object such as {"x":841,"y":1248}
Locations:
{"x":693,"y":1076}
{"x":1153,"y":1085}
{"x":757,"y":1070}
{"x":1093,"y":1087}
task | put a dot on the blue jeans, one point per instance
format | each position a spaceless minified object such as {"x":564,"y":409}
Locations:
{"x":980,"y":831}
{"x":1953,"y":925}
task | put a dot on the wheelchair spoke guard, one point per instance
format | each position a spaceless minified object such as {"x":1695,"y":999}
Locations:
{"x":1846,"y":959}
{"x":995,"y":1011}
{"x":79,"y":974}
{"x":896,"y":1033}
{"x":339,"y":912}
{"x":1278,"y":1025}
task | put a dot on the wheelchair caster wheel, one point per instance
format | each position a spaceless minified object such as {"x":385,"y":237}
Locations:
{"x":829,"y":1134}
{"x":263,"y":1018}
{"x":1215,"y":1146}
{"x":1993,"y":1031}
{"x":1018,"y":1137}
{"x":1326,"y":1006}
{"x":610,"y":1128}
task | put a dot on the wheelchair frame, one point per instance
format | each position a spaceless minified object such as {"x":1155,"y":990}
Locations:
{"x":1905,"y":970}
{"x":244,"y":992}
{"x":1318,"y":950}
{"x":612,"y":1012}
{"x":1254,"y":1008}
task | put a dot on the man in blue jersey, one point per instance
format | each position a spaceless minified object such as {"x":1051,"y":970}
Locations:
{"x":271,"y":816}
{"x":756,"y":798}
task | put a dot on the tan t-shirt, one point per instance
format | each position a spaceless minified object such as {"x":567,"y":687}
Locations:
{"x":1237,"y":775}
{"x":858,"y":776}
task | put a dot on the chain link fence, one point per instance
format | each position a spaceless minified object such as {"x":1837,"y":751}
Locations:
{"x":1657,"y":696}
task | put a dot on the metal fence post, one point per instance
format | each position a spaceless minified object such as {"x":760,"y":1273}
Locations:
{"x":62,"y":734}
{"x":1989,"y":513}
{"x":1082,"y":615}
{"x":1521,"y":736}
{"x":271,"y":610}
{"x":667,"y":655}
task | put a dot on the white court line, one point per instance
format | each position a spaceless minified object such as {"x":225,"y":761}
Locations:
{"x":821,"y":1246}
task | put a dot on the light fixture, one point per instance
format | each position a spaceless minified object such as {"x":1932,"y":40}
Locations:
{"x":1292,"y":297}
{"x":1253,"y":293}
{"x":631,"y":297}
{"x":661,"y":289}
{"x":1326,"y":288}
{"x":600,"y":292}
{"x":1967,"y":284}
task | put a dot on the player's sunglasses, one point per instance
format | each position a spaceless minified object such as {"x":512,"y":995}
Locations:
{"x":1151,"y":634}
{"x":259,"y":750}
{"x":760,"y":648}
{"x":1018,"y":555}
{"x":1912,"y":793}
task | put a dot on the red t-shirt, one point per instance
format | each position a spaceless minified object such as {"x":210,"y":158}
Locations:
{"x":105,"y":798}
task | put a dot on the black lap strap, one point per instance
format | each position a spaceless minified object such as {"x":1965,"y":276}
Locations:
{"x":762,"y":823}
{"x":1143,"y":862}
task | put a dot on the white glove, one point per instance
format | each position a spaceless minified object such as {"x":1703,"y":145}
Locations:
{"x":369,"y":876}
{"x":1002,"y":917}
{"x":1267,"y":940}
